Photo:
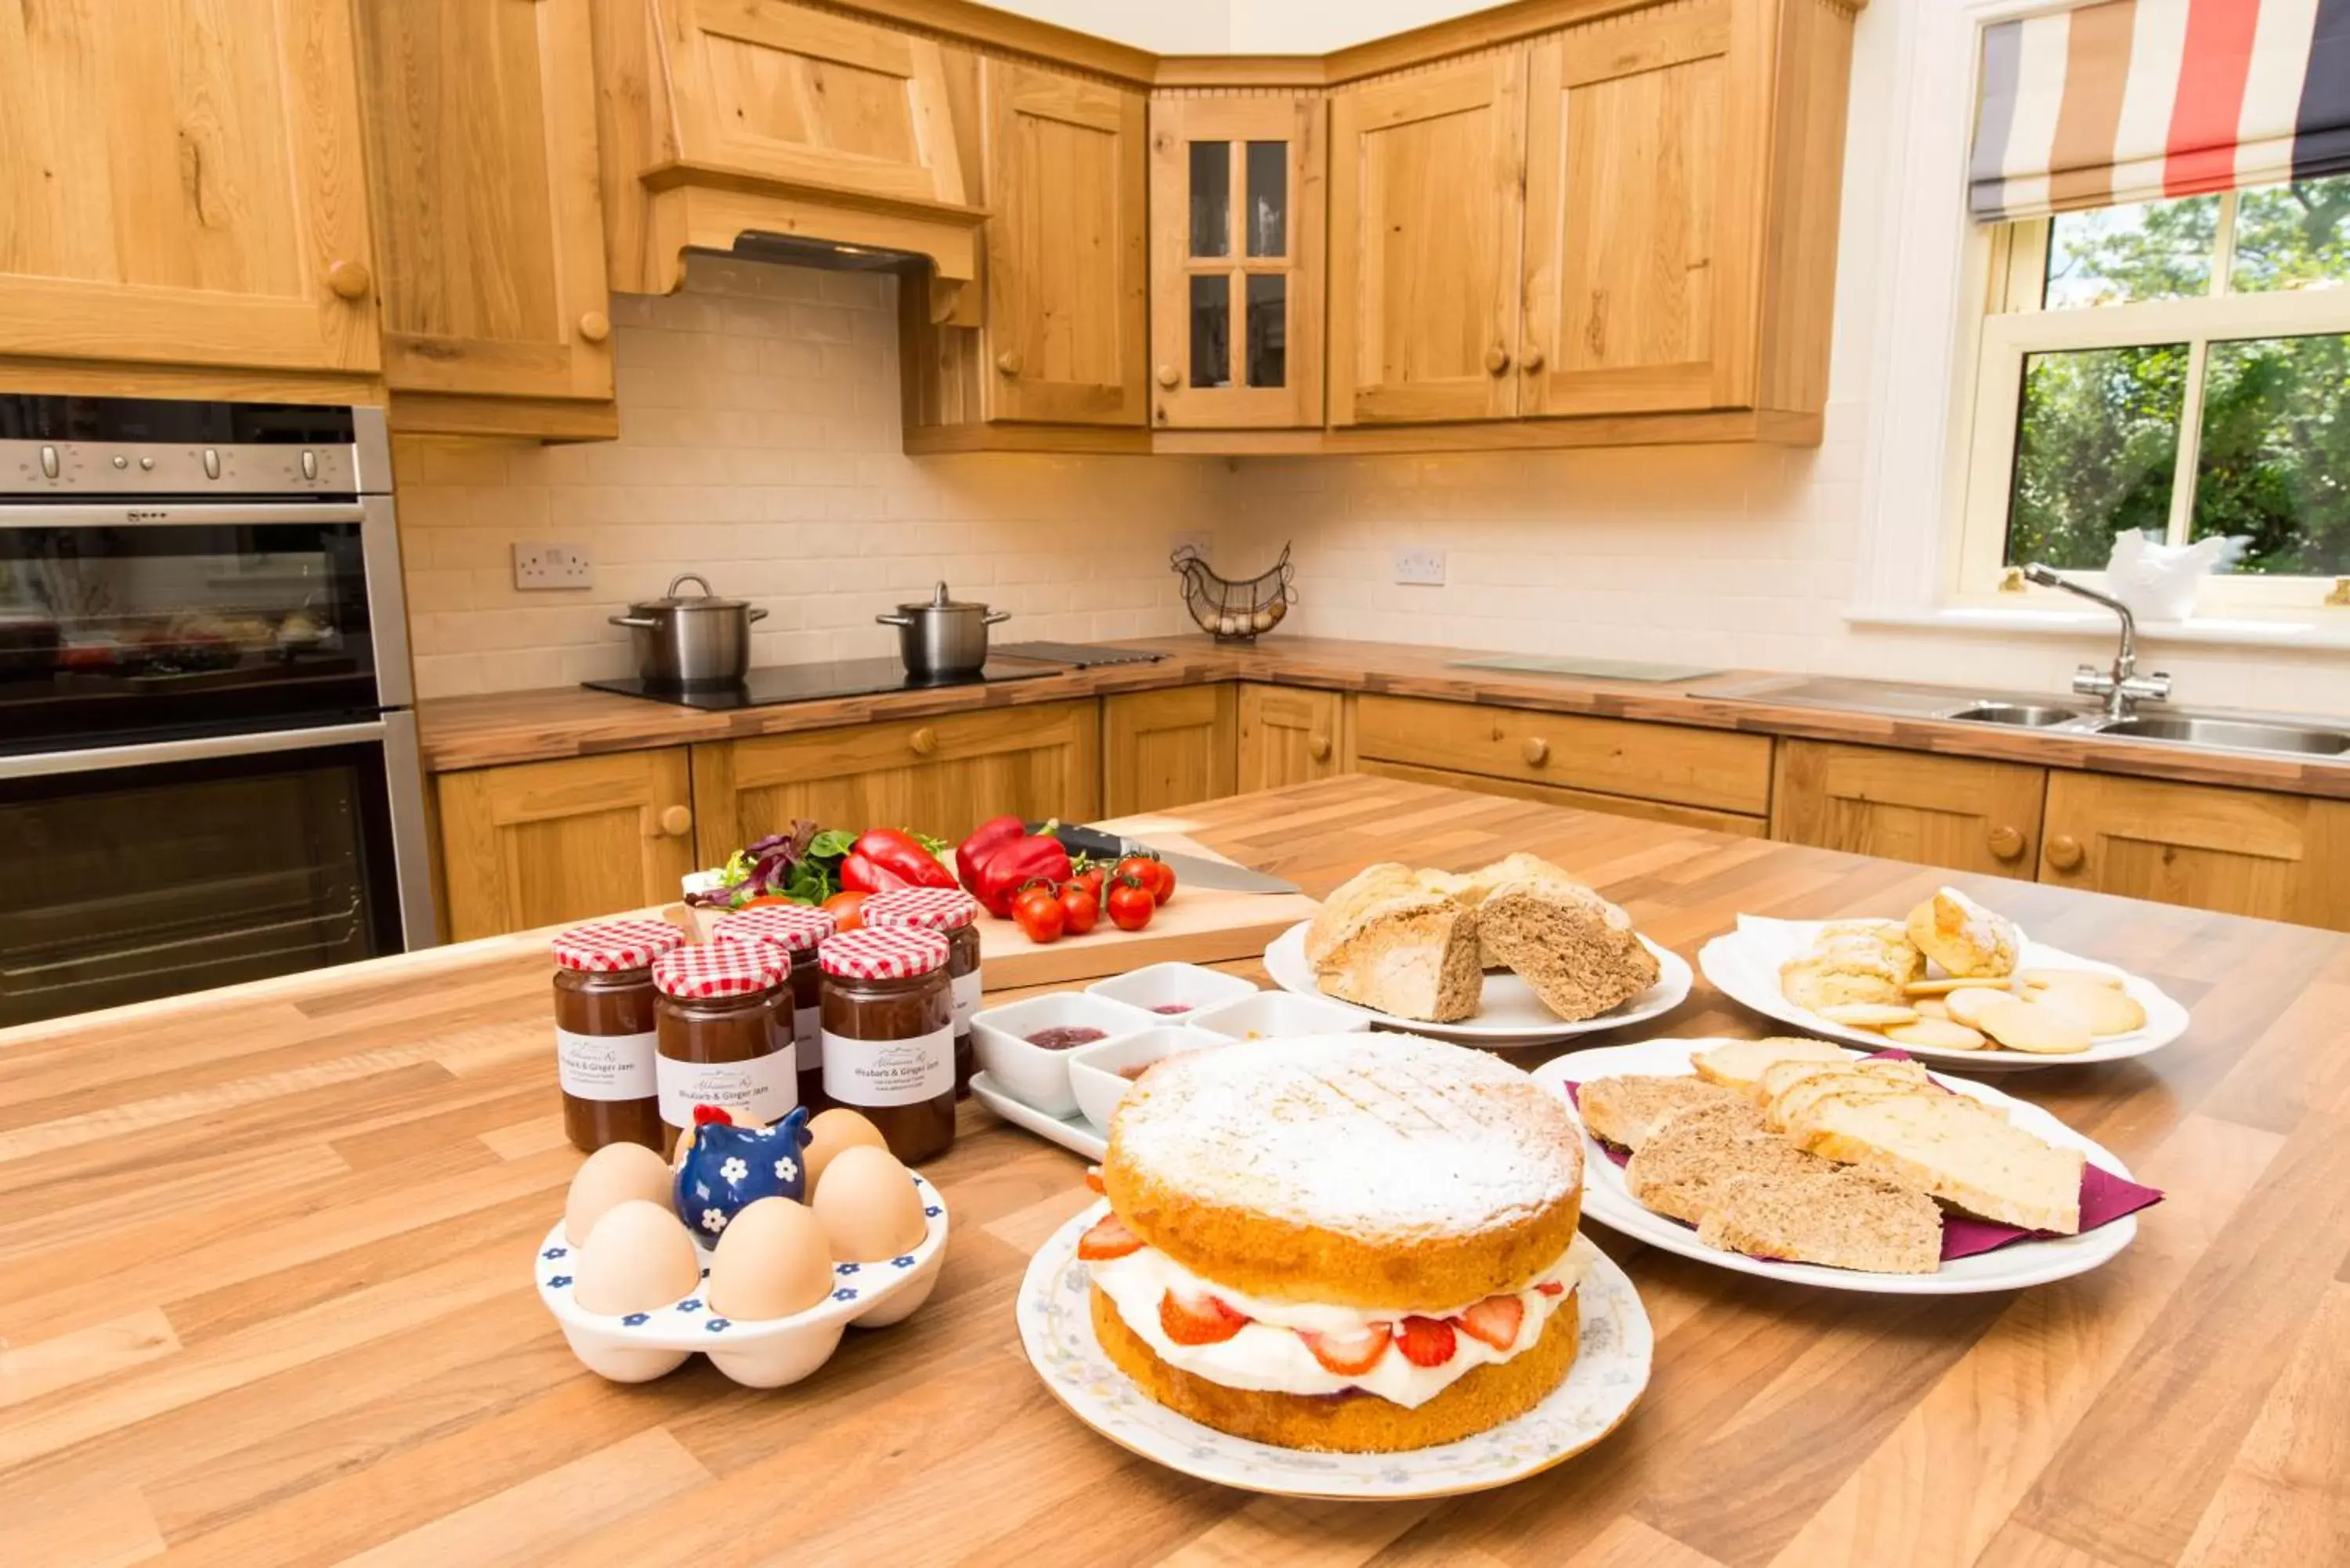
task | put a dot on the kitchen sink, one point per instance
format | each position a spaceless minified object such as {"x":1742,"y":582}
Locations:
{"x":2028,"y":713}
{"x":2233,"y":734}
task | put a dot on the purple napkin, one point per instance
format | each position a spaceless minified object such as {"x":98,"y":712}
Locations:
{"x":2105,"y":1197}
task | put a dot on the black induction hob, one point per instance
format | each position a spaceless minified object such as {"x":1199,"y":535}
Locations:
{"x":809,"y":683}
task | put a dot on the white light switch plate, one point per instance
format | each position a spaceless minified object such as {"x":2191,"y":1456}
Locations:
{"x":539,"y":567}
{"x":1423,"y":568}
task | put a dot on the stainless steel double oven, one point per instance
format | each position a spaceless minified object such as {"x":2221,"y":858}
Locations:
{"x":208,"y":766}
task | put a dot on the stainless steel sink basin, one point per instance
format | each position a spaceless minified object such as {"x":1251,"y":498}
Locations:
{"x":2235,"y":735}
{"x":2028,"y":713}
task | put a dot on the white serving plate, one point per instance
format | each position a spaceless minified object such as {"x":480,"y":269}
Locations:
{"x":2009,"y":1268}
{"x":1610,"y":1370}
{"x":1071,"y":1132}
{"x":765,"y":1354}
{"x":1744,"y":965}
{"x":1508,"y":1013}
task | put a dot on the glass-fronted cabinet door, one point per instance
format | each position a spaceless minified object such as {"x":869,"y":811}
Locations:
{"x":1236,"y":205}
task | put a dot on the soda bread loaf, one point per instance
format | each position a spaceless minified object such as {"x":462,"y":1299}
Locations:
{"x":1576,"y":950}
{"x":1383,"y":941}
{"x":1839,"y":1216}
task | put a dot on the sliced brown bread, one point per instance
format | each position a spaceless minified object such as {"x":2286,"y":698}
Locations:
{"x":1948,"y":1146}
{"x":1577,"y":951}
{"x":1780,"y":1076}
{"x":1739,"y":1064}
{"x":1628,"y":1110}
{"x":1839,"y":1217}
{"x":1679,"y":1171}
{"x":1859,"y":1077}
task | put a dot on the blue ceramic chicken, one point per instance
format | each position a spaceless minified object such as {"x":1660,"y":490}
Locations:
{"x":724,"y":1167}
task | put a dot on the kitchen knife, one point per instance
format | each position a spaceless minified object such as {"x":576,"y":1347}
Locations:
{"x":1196,"y":870}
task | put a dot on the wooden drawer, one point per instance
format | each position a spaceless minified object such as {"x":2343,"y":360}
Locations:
{"x":1960,"y":812}
{"x":1711,"y":768}
{"x":1291,"y":735}
{"x":1744,"y":826}
{"x":2244,"y":852}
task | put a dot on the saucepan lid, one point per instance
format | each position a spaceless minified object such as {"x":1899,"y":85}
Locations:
{"x":939,"y":603}
{"x":672,"y":600}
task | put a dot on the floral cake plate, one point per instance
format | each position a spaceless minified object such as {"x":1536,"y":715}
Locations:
{"x":1610,"y":1370}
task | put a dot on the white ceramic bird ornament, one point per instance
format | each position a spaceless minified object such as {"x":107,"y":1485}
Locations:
{"x":2161,"y":582}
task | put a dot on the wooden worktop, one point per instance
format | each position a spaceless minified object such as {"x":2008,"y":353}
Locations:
{"x":459,"y":733}
{"x":266,"y":1296}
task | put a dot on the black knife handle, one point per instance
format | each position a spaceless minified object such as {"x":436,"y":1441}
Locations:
{"x":1090,"y":841}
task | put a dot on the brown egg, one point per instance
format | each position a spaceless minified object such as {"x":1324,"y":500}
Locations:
{"x":638,"y":1257}
{"x":612,"y":1176}
{"x":831,"y":1131}
{"x":869,"y":1205}
{"x":772,"y":1260}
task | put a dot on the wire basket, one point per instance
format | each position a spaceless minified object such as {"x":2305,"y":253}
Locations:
{"x":1233,"y":612}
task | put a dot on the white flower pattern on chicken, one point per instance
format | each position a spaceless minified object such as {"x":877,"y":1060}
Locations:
{"x":786,"y":1169}
{"x":733,"y":1169}
{"x":713,"y":1221}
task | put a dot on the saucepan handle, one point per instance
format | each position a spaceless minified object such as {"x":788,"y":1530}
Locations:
{"x":643,"y":622}
{"x":756,"y":615}
{"x":894,"y":619}
{"x":994,"y":615}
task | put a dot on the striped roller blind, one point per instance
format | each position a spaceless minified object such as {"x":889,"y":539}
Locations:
{"x":2131,"y":101}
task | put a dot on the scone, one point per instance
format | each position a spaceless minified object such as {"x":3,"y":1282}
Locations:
{"x":1968,"y":940}
{"x":1355,"y":1242}
{"x":1577,"y":951}
{"x":1820,"y":979}
{"x":1382,"y":941}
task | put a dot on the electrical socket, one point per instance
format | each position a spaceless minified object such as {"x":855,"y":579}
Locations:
{"x":542,"y":566}
{"x":1421,"y":568}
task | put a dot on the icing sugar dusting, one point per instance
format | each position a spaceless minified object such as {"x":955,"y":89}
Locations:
{"x":1374,"y":1136}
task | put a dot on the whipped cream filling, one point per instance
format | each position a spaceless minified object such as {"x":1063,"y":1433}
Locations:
{"x":1267,"y":1353}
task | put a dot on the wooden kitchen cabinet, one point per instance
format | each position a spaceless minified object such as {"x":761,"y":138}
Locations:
{"x":1959,"y":812}
{"x":184,"y":186}
{"x":1067,"y":332}
{"x":1236,"y":203}
{"x":941,"y":775}
{"x":481,"y":127}
{"x":1427,"y":204}
{"x":1168,"y":748}
{"x":2243,"y":852}
{"x":539,"y":843}
{"x":1289,"y":734}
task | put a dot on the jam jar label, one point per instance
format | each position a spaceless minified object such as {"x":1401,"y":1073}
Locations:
{"x":888,"y":1071}
{"x":764,"y":1088}
{"x":605,"y":1066}
{"x":966,"y":1001}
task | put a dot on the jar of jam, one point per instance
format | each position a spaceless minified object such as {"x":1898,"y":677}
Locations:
{"x":604,"y":1030}
{"x":955,"y":914}
{"x":888,"y":1035}
{"x":724,"y":1034}
{"x":797,"y":929}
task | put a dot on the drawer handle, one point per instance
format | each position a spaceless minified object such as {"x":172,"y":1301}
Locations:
{"x":1008,"y":362}
{"x":676,"y":821}
{"x":595,"y":326}
{"x":349,"y":280}
{"x":924,"y":741}
{"x":1497,"y":360}
{"x":2065,"y":852}
{"x":1536,"y":751}
{"x":1533,"y":363}
{"x":2005,"y":842}
{"x":1318,"y":748}
{"x":1168,"y":375}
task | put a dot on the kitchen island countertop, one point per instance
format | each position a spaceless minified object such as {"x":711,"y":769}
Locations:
{"x":264,"y":1295}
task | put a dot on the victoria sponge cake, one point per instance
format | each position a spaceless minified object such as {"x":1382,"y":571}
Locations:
{"x":1356,"y":1243}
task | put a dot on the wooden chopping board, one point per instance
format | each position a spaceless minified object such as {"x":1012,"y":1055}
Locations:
{"x":1199,"y":925}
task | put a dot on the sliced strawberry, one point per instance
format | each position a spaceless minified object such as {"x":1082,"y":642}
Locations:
{"x":1093,"y":1179}
{"x":1553,"y":1287}
{"x":1350,"y":1354}
{"x":1495,"y":1321}
{"x":1108,"y":1239}
{"x":1425,"y":1341}
{"x":1198,"y":1320}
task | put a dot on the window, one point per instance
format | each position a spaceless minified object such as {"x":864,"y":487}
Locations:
{"x":2179,"y":367}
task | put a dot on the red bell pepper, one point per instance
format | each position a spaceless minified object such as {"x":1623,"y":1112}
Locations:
{"x":884,"y":859}
{"x":1035,"y":857}
{"x":985,"y":839}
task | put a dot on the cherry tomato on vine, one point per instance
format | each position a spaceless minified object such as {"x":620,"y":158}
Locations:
{"x":1130,"y":904}
{"x":1038,"y":912}
{"x":1080,"y":907}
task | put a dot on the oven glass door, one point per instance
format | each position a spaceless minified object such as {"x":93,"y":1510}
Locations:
{"x":131,"y":621}
{"x":128,"y":885}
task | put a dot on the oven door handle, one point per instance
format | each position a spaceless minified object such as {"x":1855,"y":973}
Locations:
{"x":177,"y":513}
{"x":94,"y":759}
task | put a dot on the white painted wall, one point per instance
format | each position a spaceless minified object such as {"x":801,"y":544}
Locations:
{"x":1241,"y":26}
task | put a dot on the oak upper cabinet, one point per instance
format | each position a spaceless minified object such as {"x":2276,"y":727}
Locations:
{"x":1236,"y":202}
{"x":1168,"y":748}
{"x":481,"y":125}
{"x":1067,"y":334}
{"x":184,"y":185}
{"x":943,"y":775}
{"x":2243,"y":852}
{"x":539,"y":843}
{"x":1426,"y":210}
{"x":1959,"y":812}
{"x":1289,"y":734}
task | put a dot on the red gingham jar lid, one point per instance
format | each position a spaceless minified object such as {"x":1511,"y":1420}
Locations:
{"x":924,"y":908}
{"x":795,"y":928}
{"x":889,"y":953}
{"x":609,"y":946}
{"x":720,"y":968}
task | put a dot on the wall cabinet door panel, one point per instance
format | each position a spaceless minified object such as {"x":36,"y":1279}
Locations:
{"x":1959,"y":811}
{"x":1290,"y":735}
{"x":539,"y":843}
{"x":1425,"y":215}
{"x":1168,"y":748}
{"x":2243,"y":852}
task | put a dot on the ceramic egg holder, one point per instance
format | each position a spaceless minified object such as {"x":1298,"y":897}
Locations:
{"x":767,"y":1353}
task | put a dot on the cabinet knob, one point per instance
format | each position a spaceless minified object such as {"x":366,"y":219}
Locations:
{"x":2005,"y":842}
{"x":1008,"y":362}
{"x":1536,"y":751}
{"x":1533,"y":363}
{"x":1168,"y":375}
{"x":924,"y":741}
{"x":676,"y":821}
{"x":2065,"y":852}
{"x":595,"y":326}
{"x":349,"y":279}
{"x":1497,"y":360}
{"x":1319,"y":747}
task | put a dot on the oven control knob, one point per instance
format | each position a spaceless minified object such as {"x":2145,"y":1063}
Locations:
{"x":309,"y":464}
{"x":146,"y":463}
{"x":212,"y":463}
{"x":121,"y":460}
{"x":48,"y":463}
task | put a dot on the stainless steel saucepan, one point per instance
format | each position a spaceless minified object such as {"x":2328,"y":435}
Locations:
{"x":943,"y":639}
{"x":695,"y":639}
